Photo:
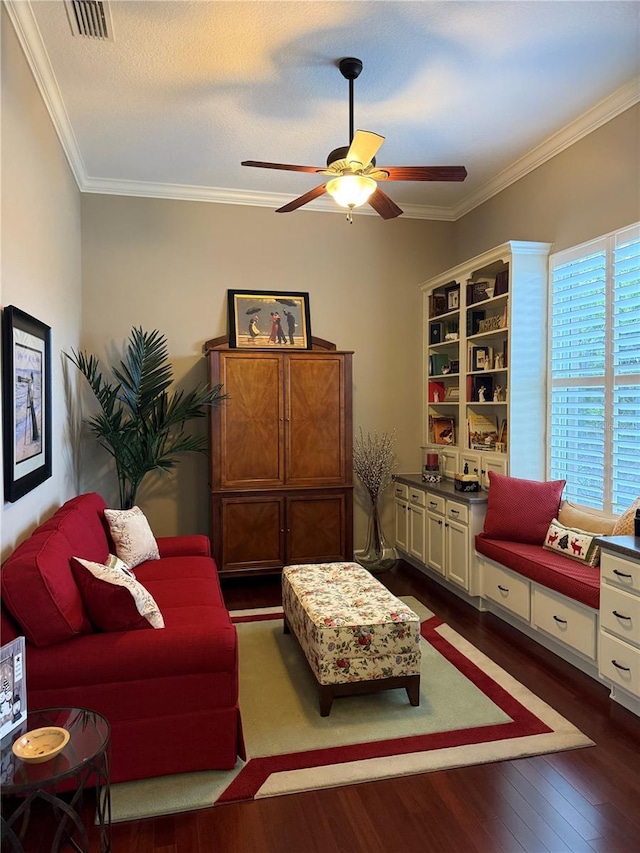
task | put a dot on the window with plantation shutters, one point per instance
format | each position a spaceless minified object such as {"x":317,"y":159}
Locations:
{"x":594,"y":369}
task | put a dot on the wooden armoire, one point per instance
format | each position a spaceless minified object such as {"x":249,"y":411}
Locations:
{"x":281,"y":457}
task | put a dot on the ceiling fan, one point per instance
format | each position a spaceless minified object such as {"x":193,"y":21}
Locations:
{"x":353,"y":170}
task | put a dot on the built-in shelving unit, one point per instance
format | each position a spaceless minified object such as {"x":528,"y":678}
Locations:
{"x":484,"y":363}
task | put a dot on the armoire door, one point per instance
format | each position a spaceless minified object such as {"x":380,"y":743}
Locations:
{"x":315,"y":419}
{"x":251,"y":533}
{"x":249,"y":425}
{"x":318,"y":528}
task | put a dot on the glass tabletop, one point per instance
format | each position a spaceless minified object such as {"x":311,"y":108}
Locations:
{"x":89,"y":735}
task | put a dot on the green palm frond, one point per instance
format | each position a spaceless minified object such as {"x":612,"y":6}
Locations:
{"x":140,"y":422}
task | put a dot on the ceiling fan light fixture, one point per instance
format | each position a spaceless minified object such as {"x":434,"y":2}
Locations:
{"x":351,"y":190}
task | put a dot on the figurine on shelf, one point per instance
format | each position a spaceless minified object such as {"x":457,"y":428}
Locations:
{"x":497,"y":394}
{"x":498,"y":363}
{"x":436,"y":396}
{"x":481,"y":393}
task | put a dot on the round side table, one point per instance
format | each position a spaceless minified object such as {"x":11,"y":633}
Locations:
{"x":83,"y":763}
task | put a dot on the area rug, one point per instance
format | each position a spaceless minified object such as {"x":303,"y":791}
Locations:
{"x":471,"y":711}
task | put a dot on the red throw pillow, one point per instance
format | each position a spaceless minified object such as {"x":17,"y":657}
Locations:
{"x":521,"y":510}
{"x":109,"y":596}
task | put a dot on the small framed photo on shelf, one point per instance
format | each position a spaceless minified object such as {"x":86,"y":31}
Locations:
{"x":453,"y":297}
{"x":435,"y":333}
{"x":454,"y":365}
{"x":473,"y":321}
{"x":443,"y":430}
{"x":481,"y":358}
{"x":452,"y":394}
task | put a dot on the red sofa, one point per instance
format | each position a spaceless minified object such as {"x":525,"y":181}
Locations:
{"x":170,"y":694}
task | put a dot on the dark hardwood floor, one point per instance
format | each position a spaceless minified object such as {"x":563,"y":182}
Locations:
{"x":581,"y":800}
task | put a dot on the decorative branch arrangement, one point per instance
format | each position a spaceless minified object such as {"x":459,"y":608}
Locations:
{"x":373,"y":461}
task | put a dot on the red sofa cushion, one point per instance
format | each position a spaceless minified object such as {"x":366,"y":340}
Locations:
{"x":521,"y":510}
{"x":38,"y":586}
{"x":575,"y":580}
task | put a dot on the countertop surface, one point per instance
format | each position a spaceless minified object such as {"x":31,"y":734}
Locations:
{"x":627,"y":546}
{"x":445,"y":488}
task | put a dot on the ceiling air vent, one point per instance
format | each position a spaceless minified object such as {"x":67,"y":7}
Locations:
{"x":90,"y":18}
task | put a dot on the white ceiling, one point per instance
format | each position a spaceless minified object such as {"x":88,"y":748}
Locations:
{"x":186,"y":90}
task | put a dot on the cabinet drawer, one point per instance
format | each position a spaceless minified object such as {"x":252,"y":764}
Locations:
{"x":435,"y":503}
{"x":620,"y":613}
{"x":619,"y":663}
{"x":622,"y":573}
{"x":566,"y":621}
{"x":507,"y":590}
{"x":400,"y":490}
{"x":417,"y":497}
{"x":458,"y":512}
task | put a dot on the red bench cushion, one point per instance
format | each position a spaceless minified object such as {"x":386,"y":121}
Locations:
{"x":575,"y":580}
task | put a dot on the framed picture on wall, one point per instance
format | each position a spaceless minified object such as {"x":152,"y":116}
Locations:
{"x":26,"y":402}
{"x":267,"y":319}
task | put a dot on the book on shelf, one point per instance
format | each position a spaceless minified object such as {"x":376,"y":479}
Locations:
{"x":443,"y":430}
{"x":435,"y":333}
{"x":502,"y":282}
{"x":482,"y":431}
{"x":473,"y":320}
{"x":436,"y":362}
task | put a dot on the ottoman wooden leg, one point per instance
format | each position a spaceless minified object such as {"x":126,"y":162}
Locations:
{"x":413,"y":689}
{"x":326,"y":699}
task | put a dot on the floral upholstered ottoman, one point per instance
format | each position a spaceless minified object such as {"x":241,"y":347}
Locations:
{"x":356,"y":635}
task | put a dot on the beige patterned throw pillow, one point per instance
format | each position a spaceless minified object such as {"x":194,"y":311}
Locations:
{"x":625,"y":524}
{"x":132,"y":536}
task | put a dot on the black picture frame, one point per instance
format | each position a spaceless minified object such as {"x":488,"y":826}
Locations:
{"x":26,"y":402}
{"x":252,"y":324}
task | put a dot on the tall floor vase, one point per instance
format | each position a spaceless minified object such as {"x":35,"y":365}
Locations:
{"x":378,"y":555}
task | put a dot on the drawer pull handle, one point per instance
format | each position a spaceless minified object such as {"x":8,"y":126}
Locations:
{"x":619,"y":666}
{"x":620,"y":615}
{"x":433,"y":503}
{"x":622,"y":574}
{"x":503,"y":588}
{"x":415,"y":497}
{"x":454,"y":512}
{"x":562,"y":621}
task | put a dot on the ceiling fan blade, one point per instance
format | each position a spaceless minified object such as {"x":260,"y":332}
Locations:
{"x":425,"y":173}
{"x":382,"y":204}
{"x":364,"y":147}
{"x":286,"y":166}
{"x":303,"y":199}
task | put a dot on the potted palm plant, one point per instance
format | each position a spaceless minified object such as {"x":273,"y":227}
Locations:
{"x":141,"y":423}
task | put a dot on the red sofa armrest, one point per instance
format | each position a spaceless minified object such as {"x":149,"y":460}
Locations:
{"x":197,"y":545}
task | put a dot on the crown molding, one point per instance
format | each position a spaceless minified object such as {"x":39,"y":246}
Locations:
{"x":219,"y":195}
{"x":22,"y":17}
{"x":593,"y":118}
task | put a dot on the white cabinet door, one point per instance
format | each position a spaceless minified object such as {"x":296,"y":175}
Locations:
{"x":498,"y":464}
{"x":435,"y":542}
{"x":402,"y":525}
{"x":416,"y":532}
{"x":457,"y":551}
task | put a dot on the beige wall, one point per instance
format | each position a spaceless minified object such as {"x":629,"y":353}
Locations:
{"x":587,"y":190}
{"x":40,"y":260}
{"x":168,"y":265}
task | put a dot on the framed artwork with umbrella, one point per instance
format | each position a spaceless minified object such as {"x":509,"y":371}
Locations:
{"x":267,"y":319}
